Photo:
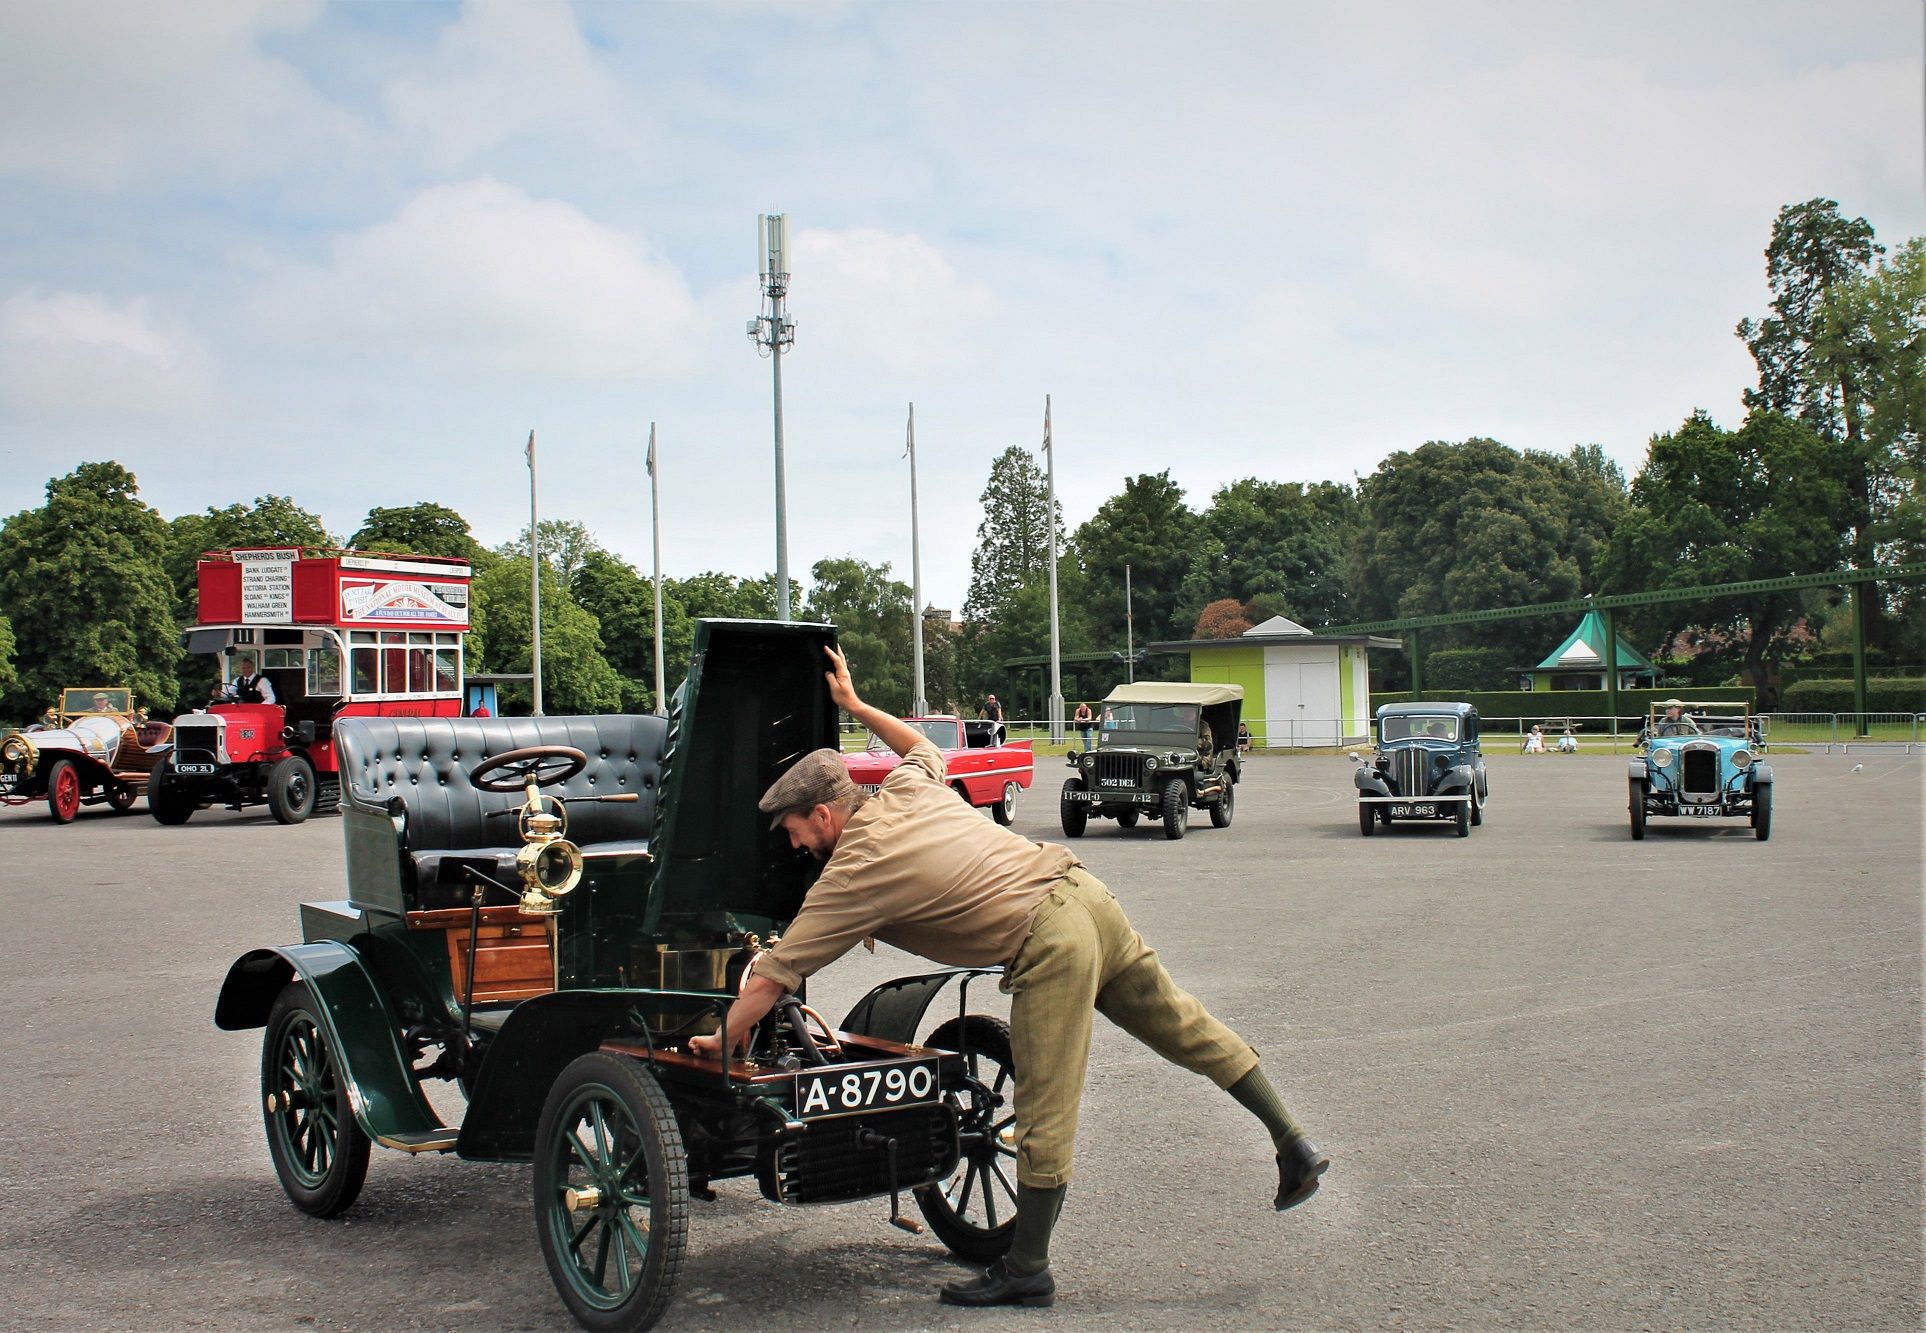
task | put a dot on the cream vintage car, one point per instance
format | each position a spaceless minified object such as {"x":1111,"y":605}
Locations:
{"x":93,"y":748}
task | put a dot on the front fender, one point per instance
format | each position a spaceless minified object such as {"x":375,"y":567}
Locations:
{"x":1458,"y":779}
{"x":895,"y":1009}
{"x":1638,"y":771}
{"x":535,"y":1045}
{"x":1762,"y":775}
{"x":1370,"y":782}
{"x":361,"y":1028}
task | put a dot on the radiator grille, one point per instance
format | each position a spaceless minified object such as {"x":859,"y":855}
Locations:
{"x":1408,"y":771}
{"x":1699,"y":772}
{"x":1120,"y":767}
{"x":197,"y":742}
{"x":827,"y":1164}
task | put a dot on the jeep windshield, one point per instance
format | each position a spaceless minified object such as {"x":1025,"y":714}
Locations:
{"x":1438,"y":727}
{"x":1127,"y":723}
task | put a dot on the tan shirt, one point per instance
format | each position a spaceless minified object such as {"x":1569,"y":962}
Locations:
{"x":920,"y":869}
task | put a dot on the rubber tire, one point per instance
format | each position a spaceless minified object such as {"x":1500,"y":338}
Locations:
{"x":1762,"y":810}
{"x":1224,"y":808}
{"x":63,"y":791}
{"x":629,"y":1083}
{"x":1128,"y":818}
{"x":1463,"y":819}
{"x":164,"y":803}
{"x":1176,"y":809}
{"x":290,"y":790}
{"x":1477,"y":807}
{"x":1638,"y":811}
{"x":1367,"y":818}
{"x":121,"y":797}
{"x":1075,"y":815}
{"x":989,"y":1039}
{"x":1004,"y":811}
{"x":348,"y":1162}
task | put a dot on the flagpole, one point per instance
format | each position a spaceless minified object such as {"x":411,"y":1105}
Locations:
{"x":1056,"y":656}
{"x":534,"y":585}
{"x":655,"y":528}
{"x":919,"y":701}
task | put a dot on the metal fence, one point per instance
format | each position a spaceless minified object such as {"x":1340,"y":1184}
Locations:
{"x":1842,"y":732}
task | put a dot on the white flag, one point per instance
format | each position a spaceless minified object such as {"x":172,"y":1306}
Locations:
{"x":529,"y":452}
{"x":909,"y":433}
{"x":651,"y":458}
{"x":1046,"y":423}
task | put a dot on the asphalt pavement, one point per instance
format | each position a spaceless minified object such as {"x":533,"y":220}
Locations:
{"x":1566,"y":1080}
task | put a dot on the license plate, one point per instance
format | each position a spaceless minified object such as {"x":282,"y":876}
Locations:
{"x":1116,"y":782}
{"x":869,"y":788}
{"x":1699,"y":811}
{"x":840,"y":1090}
{"x":8,"y":782}
{"x":1419,"y":811}
{"x":195,"y":770}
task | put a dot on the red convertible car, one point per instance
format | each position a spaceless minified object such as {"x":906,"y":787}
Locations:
{"x":981,"y":771}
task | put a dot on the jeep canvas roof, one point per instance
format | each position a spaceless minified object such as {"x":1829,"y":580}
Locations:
{"x":1174,"y":692}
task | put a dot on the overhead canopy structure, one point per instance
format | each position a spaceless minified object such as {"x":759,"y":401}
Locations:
{"x":1174,"y":692}
{"x":1579,"y":662}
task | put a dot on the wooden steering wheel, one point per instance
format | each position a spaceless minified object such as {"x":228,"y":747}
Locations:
{"x":546,"y":764}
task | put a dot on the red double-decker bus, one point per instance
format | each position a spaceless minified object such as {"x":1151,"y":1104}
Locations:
{"x":304,"y":638}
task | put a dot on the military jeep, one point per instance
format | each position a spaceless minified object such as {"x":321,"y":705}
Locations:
{"x":543,"y":911}
{"x":1163,"y":749}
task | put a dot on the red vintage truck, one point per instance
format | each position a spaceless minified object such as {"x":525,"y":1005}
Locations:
{"x":334,"y":634}
{"x":981,"y":771}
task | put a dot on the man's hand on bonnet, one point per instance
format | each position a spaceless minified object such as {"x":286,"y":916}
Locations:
{"x":842,"y":690}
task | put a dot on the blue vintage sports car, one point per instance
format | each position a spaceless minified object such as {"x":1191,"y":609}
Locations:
{"x":1701,"y":761}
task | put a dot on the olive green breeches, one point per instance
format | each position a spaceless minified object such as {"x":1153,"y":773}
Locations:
{"x":1082,"y":958}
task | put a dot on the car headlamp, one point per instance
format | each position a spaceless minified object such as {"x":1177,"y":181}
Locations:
{"x":1150,"y":764}
{"x":549,"y":870}
{"x":1662,"y":758}
{"x":1742,"y":758}
{"x":16,"y":749}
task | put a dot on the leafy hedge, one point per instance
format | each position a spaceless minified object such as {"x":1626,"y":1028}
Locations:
{"x":1534,"y":705}
{"x":1887,"y":694}
{"x":1470,"y":668}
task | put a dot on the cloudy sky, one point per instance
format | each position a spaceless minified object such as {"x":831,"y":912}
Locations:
{"x":353,"y":253}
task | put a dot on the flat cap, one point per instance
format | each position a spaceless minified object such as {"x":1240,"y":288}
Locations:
{"x":818,"y":778}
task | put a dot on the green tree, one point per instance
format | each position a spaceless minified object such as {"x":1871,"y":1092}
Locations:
{"x":1716,"y":506}
{"x":566,"y":546}
{"x":623,"y":604}
{"x":1149,"y":528}
{"x":9,"y":677}
{"x":1286,"y":542}
{"x":1805,"y":349}
{"x":420,"y":529}
{"x":1013,"y":540}
{"x":871,"y":612}
{"x":709,"y":595}
{"x":576,"y":677}
{"x":272,"y":520}
{"x":84,"y":585}
{"x":1023,"y":631}
{"x":1463,"y":527}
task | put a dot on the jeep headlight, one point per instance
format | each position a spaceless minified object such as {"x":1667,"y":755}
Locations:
{"x":1662,"y":758}
{"x":1150,"y":763}
{"x":1742,"y":758}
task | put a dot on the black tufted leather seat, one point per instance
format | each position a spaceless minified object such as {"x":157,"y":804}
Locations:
{"x":423,"y":763}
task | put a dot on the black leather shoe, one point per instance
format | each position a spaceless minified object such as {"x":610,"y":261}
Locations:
{"x":998,"y":1287}
{"x":1298,"y":1167}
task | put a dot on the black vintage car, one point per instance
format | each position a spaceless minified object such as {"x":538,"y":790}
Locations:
{"x":1163,"y":748}
{"x":544,"y":911}
{"x":1427,"y":766}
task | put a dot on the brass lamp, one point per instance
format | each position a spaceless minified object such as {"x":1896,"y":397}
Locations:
{"x":550,"y":865}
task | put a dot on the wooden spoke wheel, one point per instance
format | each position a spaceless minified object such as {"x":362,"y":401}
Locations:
{"x":319,"y":1151}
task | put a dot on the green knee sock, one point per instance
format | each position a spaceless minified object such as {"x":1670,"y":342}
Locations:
{"x":1255,"y":1094}
{"x":1037,"y":1211}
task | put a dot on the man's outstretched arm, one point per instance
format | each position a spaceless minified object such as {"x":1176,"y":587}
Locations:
{"x":899,"y":735}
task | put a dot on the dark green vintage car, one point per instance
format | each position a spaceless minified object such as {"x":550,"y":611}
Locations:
{"x":543,"y":911}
